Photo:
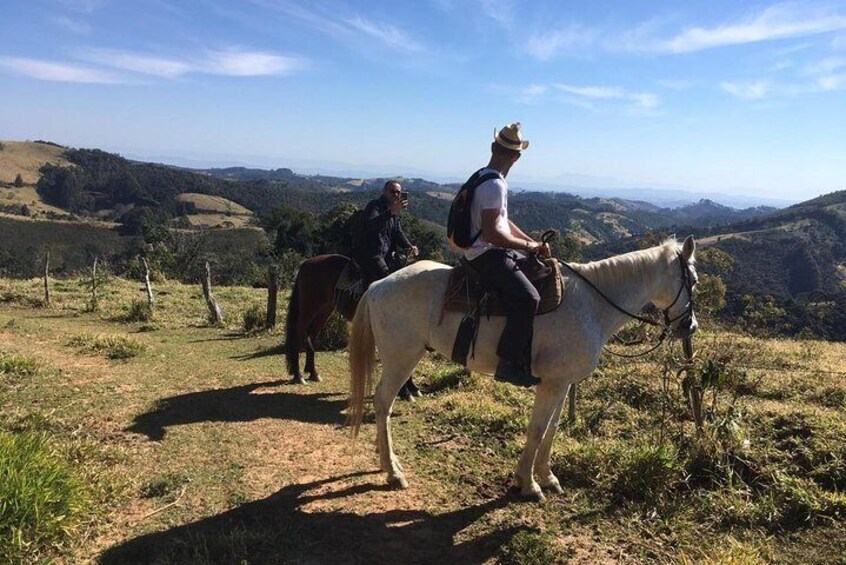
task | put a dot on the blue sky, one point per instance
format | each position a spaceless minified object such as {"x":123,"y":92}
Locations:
{"x":724,"y":96}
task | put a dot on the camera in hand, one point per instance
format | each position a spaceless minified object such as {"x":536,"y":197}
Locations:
{"x":404,"y":196}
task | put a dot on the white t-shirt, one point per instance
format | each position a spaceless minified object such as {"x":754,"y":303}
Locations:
{"x":490,"y":195}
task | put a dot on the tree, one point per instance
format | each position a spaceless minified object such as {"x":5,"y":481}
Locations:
{"x":714,"y":260}
{"x":291,"y":230}
{"x":19,"y":182}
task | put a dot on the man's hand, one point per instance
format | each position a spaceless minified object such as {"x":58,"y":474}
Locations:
{"x":541,"y":249}
{"x":397,"y":206}
{"x":414,"y":251}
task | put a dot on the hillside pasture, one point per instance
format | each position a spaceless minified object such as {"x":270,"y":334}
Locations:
{"x":196,"y":449}
{"x":26,"y":158}
{"x":29,"y":197}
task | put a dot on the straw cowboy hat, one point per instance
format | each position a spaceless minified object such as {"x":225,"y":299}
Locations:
{"x":510,"y":137}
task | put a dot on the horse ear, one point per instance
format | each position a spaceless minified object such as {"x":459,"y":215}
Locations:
{"x":688,"y":248}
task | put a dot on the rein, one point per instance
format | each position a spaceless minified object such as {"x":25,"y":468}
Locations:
{"x":668,"y":321}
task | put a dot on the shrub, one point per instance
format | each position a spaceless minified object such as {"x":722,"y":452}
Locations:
{"x":253,"y":319}
{"x":137,"y":311}
{"x":114,"y":346}
{"x":646,"y":471}
{"x":41,"y":500}
{"x":19,"y":181}
{"x":17,"y":365}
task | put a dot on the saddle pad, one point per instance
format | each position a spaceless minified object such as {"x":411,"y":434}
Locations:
{"x":348,"y":290}
{"x":463,"y":292}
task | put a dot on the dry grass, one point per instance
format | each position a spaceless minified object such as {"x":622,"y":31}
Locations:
{"x":26,"y":158}
{"x":215,"y":204}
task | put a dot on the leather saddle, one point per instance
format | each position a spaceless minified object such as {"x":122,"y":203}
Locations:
{"x":466,"y":292}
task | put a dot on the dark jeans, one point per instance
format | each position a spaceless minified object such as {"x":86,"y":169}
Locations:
{"x":499,"y":272}
{"x":374,"y":268}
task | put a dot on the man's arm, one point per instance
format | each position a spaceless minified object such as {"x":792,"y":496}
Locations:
{"x":517,"y":232}
{"x":401,"y":239}
{"x":492,"y":233}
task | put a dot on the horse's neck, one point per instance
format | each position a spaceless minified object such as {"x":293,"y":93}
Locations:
{"x":634,"y":290}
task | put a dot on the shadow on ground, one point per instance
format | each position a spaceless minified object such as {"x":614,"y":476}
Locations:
{"x":239,"y":404}
{"x":278,"y":530}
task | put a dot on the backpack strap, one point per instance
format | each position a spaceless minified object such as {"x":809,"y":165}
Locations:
{"x":474,"y":184}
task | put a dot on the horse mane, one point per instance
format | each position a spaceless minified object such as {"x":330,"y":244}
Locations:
{"x":633,"y":266}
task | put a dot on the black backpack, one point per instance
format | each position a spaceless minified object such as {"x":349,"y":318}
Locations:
{"x":353,"y":230}
{"x":459,"y":223}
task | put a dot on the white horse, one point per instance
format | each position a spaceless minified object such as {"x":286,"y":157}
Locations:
{"x":401,"y":315}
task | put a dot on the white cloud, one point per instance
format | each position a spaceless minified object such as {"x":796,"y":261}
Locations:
{"x":137,"y":63}
{"x":86,"y":6}
{"x":636,"y":101}
{"x":828,"y":65}
{"x":780,"y":21}
{"x":249,"y":63}
{"x":74,"y":26}
{"x":832,"y":82}
{"x":58,"y":72}
{"x":602,"y":92}
{"x":755,"y":90}
{"x":644,"y":100}
{"x":344,"y":27}
{"x":230,"y":62}
{"x":387,"y":34}
{"x":545,"y":45}
{"x":532,"y":93}
{"x":501,"y":11}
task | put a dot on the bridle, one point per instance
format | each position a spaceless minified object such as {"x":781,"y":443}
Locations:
{"x":685,"y":316}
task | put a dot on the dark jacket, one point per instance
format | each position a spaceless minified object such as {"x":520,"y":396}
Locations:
{"x":382,"y":233}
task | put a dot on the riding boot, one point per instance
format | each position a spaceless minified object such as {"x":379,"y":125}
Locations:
{"x":515,"y":373}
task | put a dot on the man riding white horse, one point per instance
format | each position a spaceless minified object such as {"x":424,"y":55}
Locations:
{"x":495,"y":251}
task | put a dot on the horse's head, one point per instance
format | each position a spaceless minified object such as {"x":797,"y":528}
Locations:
{"x":676,"y":295}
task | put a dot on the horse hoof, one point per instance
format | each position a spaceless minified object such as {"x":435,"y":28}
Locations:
{"x":554,"y":488}
{"x":397,"y":483}
{"x":315,"y":378}
{"x":298,"y":380}
{"x":531,"y":496}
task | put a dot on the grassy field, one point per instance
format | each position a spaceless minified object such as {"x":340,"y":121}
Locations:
{"x":26,"y":158}
{"x":171,"y":441}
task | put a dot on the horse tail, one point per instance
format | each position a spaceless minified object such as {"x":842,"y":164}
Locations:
{"x":292,"y":337}
{"x":362,"y":352}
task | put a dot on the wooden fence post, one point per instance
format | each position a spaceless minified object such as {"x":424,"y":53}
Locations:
{"x":94,"y":304}
{"x":147,"y":286}
{"x":214,"y":310}
{"x":47,"y":279}
{"x":272,"y":293}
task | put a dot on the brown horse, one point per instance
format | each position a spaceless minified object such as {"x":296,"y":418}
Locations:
{"x":313,"y":300}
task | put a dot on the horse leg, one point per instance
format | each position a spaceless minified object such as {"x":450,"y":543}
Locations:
{"x":315,"y":327}
{"x":309,"y":364}
{"x":548,"y":481}
{"x":409,"y":391}
{"x":413,"y":388}
{"x":394,"y":374}
{"x":548,"y":397}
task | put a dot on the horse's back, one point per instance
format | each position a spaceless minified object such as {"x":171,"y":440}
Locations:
{"x":409,"y":296}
